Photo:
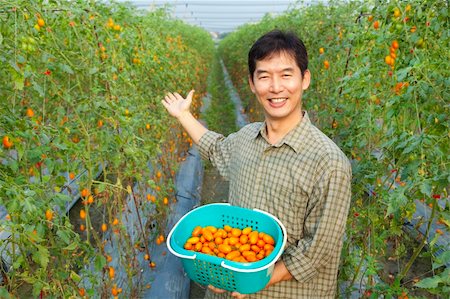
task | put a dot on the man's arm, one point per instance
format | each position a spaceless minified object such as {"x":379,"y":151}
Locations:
{"x":304,"y":260}
{"x":178,"y":107}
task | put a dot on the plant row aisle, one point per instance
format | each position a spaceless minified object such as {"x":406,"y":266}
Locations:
{"x":380,"y":77}
{"x":80,"y":88}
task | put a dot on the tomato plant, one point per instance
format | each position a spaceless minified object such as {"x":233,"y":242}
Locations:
{"x":81,"y":89}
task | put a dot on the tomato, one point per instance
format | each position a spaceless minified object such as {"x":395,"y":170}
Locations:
{"x":7,"y":143}
{"x":41,"y":22}
{"x":111,"y":272}
{"x":193,"y":240}
{"x":208,"y":234}
{"x":376,"y":24}
{"x":49,"y":215}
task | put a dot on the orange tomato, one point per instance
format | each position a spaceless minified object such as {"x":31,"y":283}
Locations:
{"x":104,"y":227}
{"x":85,"y":192}
{"x":260,"y":243}
{"x":111,"y":272}
{"x":253,"y":237}
{"x":236,"y":232}
{"x":196,"y":232}
{"x":247,"y":230}
{"x":206,"y":250}
{"x":49,"y":215}
{"x":389,"y":61}
{"x":207,"y":234}
{"x":82,"y":292}
{"x":30,"y":112}
{"x":268,"y":239}
{"x":82,"y":214}
{"x":41,"y":22}
{"x":211,"y":228}
{"x":193,"y":240}
{"x":224,"y":248}
{"x":232,"y":255}
{"x":7,"y":143}
{"x":326,"y":64}
{"x":198,"y":246}
{"x":243,"y":239}
{"x":395,"y":44}
{"x":376,"y":24}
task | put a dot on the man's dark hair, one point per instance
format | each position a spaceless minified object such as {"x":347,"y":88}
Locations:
{"x":275,"y":42}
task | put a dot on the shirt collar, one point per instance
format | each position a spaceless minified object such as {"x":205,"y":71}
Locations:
{"x":295,"y":138}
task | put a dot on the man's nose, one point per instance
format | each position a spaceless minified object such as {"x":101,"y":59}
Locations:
{"x":276,"y":85}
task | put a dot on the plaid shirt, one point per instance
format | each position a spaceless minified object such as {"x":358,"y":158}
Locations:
{"x":304,"y":180}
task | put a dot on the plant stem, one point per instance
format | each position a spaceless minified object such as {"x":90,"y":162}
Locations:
{"x":421,"y":245}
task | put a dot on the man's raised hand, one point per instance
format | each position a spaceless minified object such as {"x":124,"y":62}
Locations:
{"x":176,"y":105}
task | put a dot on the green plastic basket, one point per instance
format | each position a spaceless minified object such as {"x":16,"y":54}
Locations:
{"x":245,"y":278}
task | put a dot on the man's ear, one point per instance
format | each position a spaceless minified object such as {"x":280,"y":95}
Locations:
{"x":252,"y":85}
{"x":306,"y":80}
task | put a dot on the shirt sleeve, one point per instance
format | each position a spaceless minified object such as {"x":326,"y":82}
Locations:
{"x":324,"y":233}
{"x":215,"y":148}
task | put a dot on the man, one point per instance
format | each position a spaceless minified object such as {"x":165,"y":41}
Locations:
{"x":284,"y":166}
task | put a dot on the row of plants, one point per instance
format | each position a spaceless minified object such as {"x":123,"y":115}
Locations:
{"x":220,"y":114}
{"x":81,"y":86}
{"x":380,"y":76}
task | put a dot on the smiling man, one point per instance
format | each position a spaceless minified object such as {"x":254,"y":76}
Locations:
{"x":285,"y":166}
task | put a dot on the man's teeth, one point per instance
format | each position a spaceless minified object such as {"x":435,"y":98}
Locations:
{"x":277,"y":100}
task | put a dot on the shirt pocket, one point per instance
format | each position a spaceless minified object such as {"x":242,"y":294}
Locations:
{"x":289,"y":205}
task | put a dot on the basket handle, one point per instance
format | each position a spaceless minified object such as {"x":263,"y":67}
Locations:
{"x":169,"y":246}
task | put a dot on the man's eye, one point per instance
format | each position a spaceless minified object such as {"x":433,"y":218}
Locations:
{"x":263,"y":77}
{"x":287,"y":75}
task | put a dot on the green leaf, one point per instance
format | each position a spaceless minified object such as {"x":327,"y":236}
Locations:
{"x":93,"y":71}
{"x":65,"y":68}
{"x":3,"y":292}
{"x":19,"y":82}
{"x":429,"y":283}
{"x":64,"y":236}
{"x":71,"y":246}
{"x":41,"y":256}
{"x":38,"y":88}
{"x":100,"y":262}
{"x":425,"y":187}
{"x":75,"y":277}
{"x":37,"y":288}
{"x":441,"y":260}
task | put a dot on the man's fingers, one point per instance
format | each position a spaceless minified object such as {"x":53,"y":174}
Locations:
{"x":216,"y":290}
{"x":190,"y":95}
{"x":238,"y":295}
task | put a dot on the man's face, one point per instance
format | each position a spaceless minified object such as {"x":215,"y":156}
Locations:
{"x":278,"y":86}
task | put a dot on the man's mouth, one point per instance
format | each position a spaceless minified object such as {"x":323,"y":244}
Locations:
{"x":277,"y":100}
